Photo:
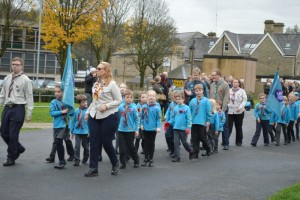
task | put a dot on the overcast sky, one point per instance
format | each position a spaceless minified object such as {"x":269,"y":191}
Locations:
{"x":238,"y":16}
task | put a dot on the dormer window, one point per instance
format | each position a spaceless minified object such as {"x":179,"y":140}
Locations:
{"x":288,"y":45}
{"x":211,"y":43}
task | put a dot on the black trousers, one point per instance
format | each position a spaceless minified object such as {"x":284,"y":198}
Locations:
{"x":126,"y":141}
{"x":149,"y":144}
{"x":237,"y":119}
{"x":290,"y":131}
{"x":11,"y":124}
{"x":278,"y":130}
{"x":69,"y":147}
{"x":102,"y":132}
{"x":199,"y":135}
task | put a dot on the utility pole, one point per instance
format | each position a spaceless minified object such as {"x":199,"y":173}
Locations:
{"x":192,"y":48}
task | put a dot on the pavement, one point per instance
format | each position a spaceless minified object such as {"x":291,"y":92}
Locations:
{"x":241,"y":173}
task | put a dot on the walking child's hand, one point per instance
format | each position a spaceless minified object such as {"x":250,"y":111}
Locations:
{"x":258,"y":120}
{"x":216,"y":133}
{"x":142,"y":127}
{"x":88,"y":135}
{"x":65,"y":111}
{"x":158,"y":130}
{"x":72,"y":136}
{"x":136,"y":134}
{"x":187,"y":131}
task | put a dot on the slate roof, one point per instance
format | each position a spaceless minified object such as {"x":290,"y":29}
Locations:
{"x":181,"y":72}
{"x":288,"y":43}
{"x":202,"y":46}
{"x":185,"y":37}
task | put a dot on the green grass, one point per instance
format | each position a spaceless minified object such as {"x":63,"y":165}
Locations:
{"x":290,"y":193}
{"x":40,"y":114}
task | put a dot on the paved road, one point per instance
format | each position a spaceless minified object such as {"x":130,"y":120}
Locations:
{"x":242,"y":173}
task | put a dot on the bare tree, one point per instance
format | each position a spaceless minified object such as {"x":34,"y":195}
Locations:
{"x":110,"y":35}
{"x":295,"y":29}
{"x":11,"y":14}
{"x":150,"y":35}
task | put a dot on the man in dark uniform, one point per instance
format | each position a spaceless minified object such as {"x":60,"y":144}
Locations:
{"x":89,"y":81}
{"x":17,"y":96}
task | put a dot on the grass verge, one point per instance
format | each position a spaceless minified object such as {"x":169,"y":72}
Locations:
{"x":290,"y":193}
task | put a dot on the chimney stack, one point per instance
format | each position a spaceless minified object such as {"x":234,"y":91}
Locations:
{"x":272,"y":27}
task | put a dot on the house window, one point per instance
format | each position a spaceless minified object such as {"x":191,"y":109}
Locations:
{"x":288,"y":45}
{"x":226,"y":45}
{"x":211,"y":43}
{"x":247,"y":46}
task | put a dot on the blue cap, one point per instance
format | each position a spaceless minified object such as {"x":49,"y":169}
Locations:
{"x":296,"y":94}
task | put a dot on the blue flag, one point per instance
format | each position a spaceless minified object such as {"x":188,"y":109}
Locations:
{"x":275,"y":99}
{"x":68,"y":82}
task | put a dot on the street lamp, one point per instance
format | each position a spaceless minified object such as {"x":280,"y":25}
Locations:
{"x":192,"y":48}
{"x":39,"y":40}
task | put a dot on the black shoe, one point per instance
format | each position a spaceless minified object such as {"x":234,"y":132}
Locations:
{"x":8,"y":163}
{"x":226,"y":148}
{"x":215,"y":151}
{"x":276,"y":144}
{"x":71,"y":158}
{"x":253,"y":145}
{"x":76,"y":163}
{"x":293,"y":140}
{"x":176,"y":159}
{"x":168,"y":150}
{"x":115,"y":169}
{"x":122,"y":166}
{"x":191,"y":155}
{"x":84,"y":161}
{"x":285,"y":143}
{"x":173,"y":156}
{"x":266,"y":144}
{"x":145,"y":163}
{"x":195,"y":156}
{"x":60,"y":165}
{"x":142,"y":152}
{"x":91,"y":172}
{"x":136,"y":165}
{"x":171,"y":152}
{"x":150,"y":164}
{"x":20,"y":151}
{"x":50,"y":160}
{"x":238,"y":144}
{"x":117,"y":152}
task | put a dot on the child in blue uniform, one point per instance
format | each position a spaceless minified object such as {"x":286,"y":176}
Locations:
{"x":213,"y":128}
{"x":150,"y":124}
{"x":80,"y":129}
{"x":201,"y":116}
{"x":298,"y":120}
{"x":182,"y":122}
{"x":59,"y":113}
{"x":143,"y":101}
{"x":222,"y":121}
{"x":282,"y":122}
{"x":262,"y":116}
{"x":128,"y":129}
{"x":169,"y":133}
{"x":294,"y":111}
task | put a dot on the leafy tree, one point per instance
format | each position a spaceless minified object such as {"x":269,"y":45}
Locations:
{"x":295,"y":29}
{"x":150,"y":35}
{"x":12,"y":14}
{"x":68,"y":22}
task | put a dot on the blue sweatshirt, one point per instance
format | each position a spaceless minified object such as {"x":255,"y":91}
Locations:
{"x":285,"y":116}
{"x":222,"y":120}
{"x":170,"y":111}
{"x":273,"y":118}
{"x":59,"y":119}
{"x":129,"y":118}
{"x":215,"y":121}
{"x":203,"y":115}
{"x":258,"y":112}
{"x":78,"y":124}
{"x":182,"y":118}
{"x":294,"y":111}
{"x":150,"y":118}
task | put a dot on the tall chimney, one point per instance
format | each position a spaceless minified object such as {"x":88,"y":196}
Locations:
{"x":269,"y":26}
{"x":278,"y":27}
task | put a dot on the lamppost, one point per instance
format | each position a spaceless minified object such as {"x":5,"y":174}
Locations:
{"x":192,"y":48}
{"x":123,"y":67}
{"x":39,"y":40}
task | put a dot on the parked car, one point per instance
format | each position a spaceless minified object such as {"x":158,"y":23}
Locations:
{"x":40,"y":83}
{"x":52,"y":84}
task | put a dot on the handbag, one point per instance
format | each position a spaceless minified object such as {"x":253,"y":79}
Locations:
{"x":161,"y":97}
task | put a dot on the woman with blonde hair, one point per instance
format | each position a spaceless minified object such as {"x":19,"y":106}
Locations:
{"x":103,"y":118}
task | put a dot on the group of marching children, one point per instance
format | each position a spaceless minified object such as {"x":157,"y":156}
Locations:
{"x":203,"y":118}
{"x":271,"y":123}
